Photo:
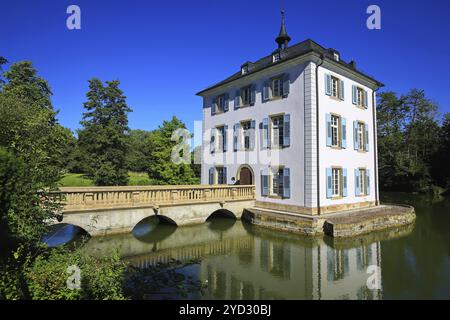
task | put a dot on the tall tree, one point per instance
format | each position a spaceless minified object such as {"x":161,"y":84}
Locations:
{"x":441,"y":159}
{"x":407,"y":140}
{"x":103,"y":138}
{"x":138,"y":150}
{"x":161,"y":168}
{"x":32,"y":144}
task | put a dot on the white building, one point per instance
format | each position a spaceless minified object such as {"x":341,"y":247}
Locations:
{"x":300,"y":124}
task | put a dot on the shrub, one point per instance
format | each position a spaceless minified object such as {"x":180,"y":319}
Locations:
{"x":100,"y":277}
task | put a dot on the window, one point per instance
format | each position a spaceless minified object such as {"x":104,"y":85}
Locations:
{"x":335,"y":131}
{"x":360,"y":97}
{"x":360,"y":137}
{"x":246,"y":127}
{"x":244,"y":69}
{"x":362,"y":182}
{"x":276,"y":57}
{"x":335,"y":87}
{"x":277,"y":182}
{"x":246,"y":96}
{"x":221,"y":175}
{"x":221,"y":138}
{"x":336,"y":176}
{"x":221,"y":103}
{"x":277,"y":87}
{"x":277,"y":131}
{"x":336,"y":56}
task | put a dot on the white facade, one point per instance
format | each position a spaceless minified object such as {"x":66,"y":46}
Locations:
{"x":305,"y":143}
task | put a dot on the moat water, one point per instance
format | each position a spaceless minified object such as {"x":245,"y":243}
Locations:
{"x":240,"y":261}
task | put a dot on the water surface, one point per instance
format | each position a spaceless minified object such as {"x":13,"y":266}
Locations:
{"x":240,"y":261}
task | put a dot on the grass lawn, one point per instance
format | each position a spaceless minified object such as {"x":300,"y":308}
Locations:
{"x":80,"y":180}
{"x":75,"y":180}
{"x":138,"y":179}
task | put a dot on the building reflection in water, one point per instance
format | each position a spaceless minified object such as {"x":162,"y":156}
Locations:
{"x":245,"y":262}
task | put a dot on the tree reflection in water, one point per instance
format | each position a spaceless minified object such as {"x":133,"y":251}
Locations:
{"x":240,"y":261}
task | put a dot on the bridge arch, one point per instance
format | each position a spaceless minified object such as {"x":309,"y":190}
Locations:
{"x":150,"y":226}
{"x":61,"y":233}
{"x":160,"y":218}
{"x":222,"y":213}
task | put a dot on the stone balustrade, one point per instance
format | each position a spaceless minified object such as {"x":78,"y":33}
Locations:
{"x":92,"y":198}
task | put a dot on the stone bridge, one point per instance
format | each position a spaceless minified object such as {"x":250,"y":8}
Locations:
{"x":112,"y":210}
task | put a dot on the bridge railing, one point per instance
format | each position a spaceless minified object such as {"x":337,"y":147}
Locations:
{"x":85,"y":198}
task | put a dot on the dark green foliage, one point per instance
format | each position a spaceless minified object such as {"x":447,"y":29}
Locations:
{"x":103,"y":139}
{"x":137,"y":156}
{"x":408,"y":139}
{"x":161,"y":168}
{"x":196,"y":164}
{"x":441,"y":159}
{"x":44,"y":276}
{"x":32,"y":144}
{"x":23,"y":208}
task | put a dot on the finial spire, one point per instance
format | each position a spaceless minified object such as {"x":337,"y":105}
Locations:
{"x":283,"y":38}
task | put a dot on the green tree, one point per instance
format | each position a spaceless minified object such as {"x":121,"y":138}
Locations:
{"x":161,"y":168}
{"x":196,"y":158}
{"x":441,"y":159}
{"x":138,"y":151}
{"x":32,"y":145}
{"x":103,"y":139}
{"x":407,"y":140}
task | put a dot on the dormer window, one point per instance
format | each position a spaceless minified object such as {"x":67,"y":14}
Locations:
{"x":336,"y":56}
{"x":276,"y":57}
{"x":244,"y":69}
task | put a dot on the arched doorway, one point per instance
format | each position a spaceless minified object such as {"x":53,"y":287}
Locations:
{"x":245,"y":175}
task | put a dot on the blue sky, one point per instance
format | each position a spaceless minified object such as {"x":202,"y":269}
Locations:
{"x":163,"y":52}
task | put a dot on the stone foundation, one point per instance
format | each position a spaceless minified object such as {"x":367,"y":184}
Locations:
{"x":348,"y":223}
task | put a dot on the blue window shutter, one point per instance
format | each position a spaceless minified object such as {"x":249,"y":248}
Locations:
{"x":329,"y":184}
{"x":265,"y":133}
{"x":252,"y":95}
{"x":328,"y":84}
{"x":212,"y":142}
{"x":236,"y":137}
{"x":344,"y":133}
{"x":344,"y":182}
{"x":286,"y":183}
{"x":328,"y":125}
{"x":341,"y":93}
{"x":211,"y":175}
{"x":366,"y":138}
{"x":355,"y":135}
{"x":264,"y":182}
{"x":287,"y":130}
{"x":224,"y":175}
{"x":252,"y":134}
{"x":357,"y":191}
{"x":225,"y":138}
{"x":213,"y":106}
{"x":366,"y":100}
{"x":367,"y":181}
{"x":237,"y":100}
{"x":354,"y":94}
{"x":226,"y":101}
{"x":266,"y":91}
{"x":286,"y":85}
